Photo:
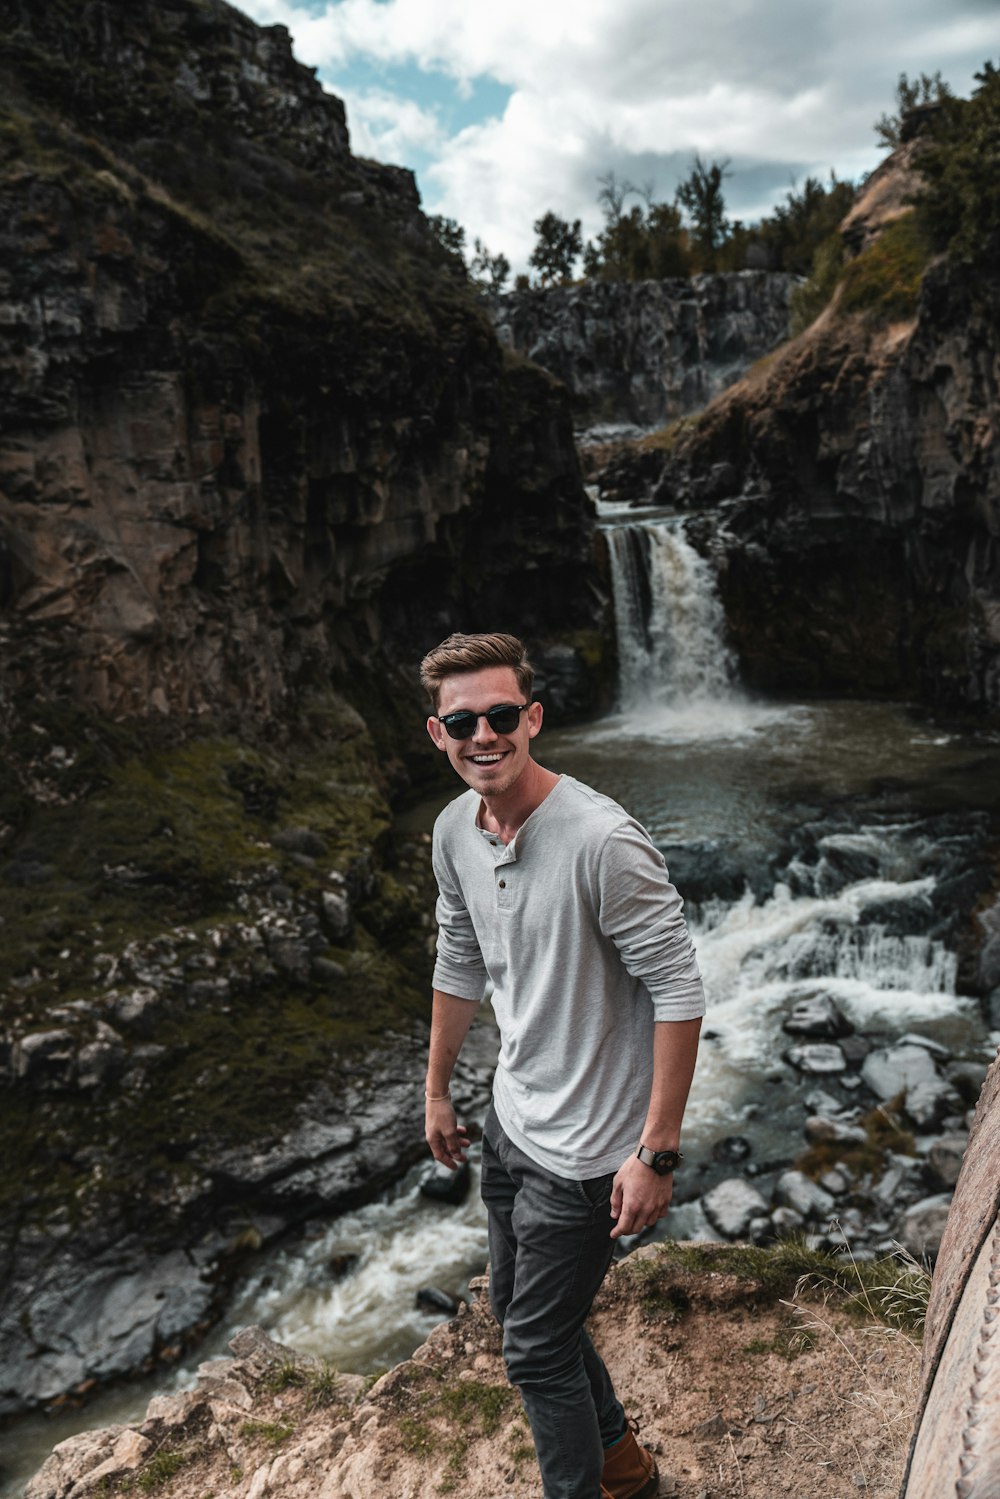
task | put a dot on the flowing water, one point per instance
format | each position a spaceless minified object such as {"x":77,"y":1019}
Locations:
{"x":821,"y":848}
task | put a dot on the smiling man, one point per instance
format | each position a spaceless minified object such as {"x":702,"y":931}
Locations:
{"x":550,"y":893}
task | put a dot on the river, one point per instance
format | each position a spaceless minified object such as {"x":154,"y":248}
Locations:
{"x":821,"y":848}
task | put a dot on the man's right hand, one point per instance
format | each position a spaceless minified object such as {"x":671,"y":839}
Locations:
{"x":447,"y":1139}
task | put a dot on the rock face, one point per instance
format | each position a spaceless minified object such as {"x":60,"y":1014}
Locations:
{"x":852,"y":489}
{"x":242,"y":388}
{"x":257,"y":437}
{"x":647,"y":351}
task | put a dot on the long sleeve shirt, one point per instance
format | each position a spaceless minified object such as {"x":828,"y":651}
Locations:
{"x":577,"y":927}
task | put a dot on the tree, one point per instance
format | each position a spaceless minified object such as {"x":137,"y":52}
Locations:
{"x":558,"y":247}
{"x":700,"y":195}
{"x":612,"y":196}
{"x":646,"y":243}
{"x":449,"y":234}
{"x":959,"y":206}
{"x":928,"y":88}
{"x":488,"y":271}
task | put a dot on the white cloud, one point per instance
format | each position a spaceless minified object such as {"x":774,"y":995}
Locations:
{"x":782,"y":86}
{"x":390,"y":128}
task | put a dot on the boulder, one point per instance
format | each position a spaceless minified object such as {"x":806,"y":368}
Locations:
{"x":929,"y":1102}
{"x":891,"y":1070}
{"x":731,"y":1150}
{"x":817,"y":1057}
{"x":919,"y":1228}
{"x":796,"y":1190}
{"x":944,"y":1159}
{"x":442,"y":1185}
{"x":732,"y":1205}
{"x":432,"y":1299}
{"x":817,"y":1016}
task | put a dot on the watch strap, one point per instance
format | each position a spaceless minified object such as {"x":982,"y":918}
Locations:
{"x":663,"y":1162}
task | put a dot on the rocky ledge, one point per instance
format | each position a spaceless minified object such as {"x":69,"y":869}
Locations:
{"x":742,"y":1384}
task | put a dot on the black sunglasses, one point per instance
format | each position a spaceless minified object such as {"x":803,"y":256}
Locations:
{"x":503,"y":718}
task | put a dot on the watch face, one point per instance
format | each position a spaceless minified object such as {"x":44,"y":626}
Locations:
{"x":661,"y":1161}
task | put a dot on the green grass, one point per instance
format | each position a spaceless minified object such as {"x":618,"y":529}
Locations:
{"x":883,"y":282}
{"x":469,"y":1403}
{"x":892,"y":1290}
{"x":273,"y":1433}
{"x":161,"y":1468}
{"x":665,"y":439}
{"x":166,"y":848}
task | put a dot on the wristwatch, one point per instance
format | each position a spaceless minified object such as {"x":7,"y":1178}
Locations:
{"x":663,"y":1162}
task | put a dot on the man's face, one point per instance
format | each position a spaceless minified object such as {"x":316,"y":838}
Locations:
{"x":488,"y":762}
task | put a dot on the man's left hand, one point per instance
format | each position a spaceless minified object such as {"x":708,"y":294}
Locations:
{"x":639,"y":1197}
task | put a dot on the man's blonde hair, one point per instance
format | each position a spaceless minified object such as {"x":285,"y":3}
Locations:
{"x":471,"y":653}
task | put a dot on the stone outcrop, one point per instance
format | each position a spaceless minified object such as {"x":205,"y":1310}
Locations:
{"x":647,"y":352}
{"x":244,"y":391}
{"x":956,"y":1435}
{"x":694,"y":1336}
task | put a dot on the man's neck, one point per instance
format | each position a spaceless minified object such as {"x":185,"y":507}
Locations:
{"x":506,"y":814}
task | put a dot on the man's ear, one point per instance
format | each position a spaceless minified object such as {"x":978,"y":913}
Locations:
{"x":436,"y":730}
{"x":535,"y":716}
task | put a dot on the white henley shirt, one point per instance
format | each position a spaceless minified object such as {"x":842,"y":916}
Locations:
{"x":577,"y":927}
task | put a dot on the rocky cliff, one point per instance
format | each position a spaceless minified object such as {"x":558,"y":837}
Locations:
{"x":259,"y":449}
{"x":848,"y":487}
{"x":242,"y":386}
{"x":744,"y":1384}
{"x":647,"y":351}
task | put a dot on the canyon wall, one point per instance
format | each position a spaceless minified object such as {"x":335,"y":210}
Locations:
{"x":260,"y":449}
{"x":645,"y":352}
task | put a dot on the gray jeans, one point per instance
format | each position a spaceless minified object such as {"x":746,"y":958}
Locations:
{"x":550,"y":1248}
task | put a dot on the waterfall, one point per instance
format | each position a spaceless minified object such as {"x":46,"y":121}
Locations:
{"x":669,"y":619}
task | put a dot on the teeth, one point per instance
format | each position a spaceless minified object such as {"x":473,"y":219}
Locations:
{"x":486,"y":759}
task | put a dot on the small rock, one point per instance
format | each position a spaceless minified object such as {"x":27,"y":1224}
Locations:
{"x":927,"y":1103}
{"x":442,"y":1185}
{"x":795,"y":1190}
{"x":912,"y":1038}
{"x":892,"y":1070}
{"x":340,"y":1265}
{"x":817,"y":1016}
{"x":710,"y":1430}
{"x":299,"y":841}
{"x":920,"y":1227}
{"x":786,"y":1222}
{"x":731,"y":1150}
{"x":821,"y":1102}
{"x":817,"y":1057}
{"x":819,"y":1130}
{"x":431,"y":1299}
{"x":944,"y":1159}
{"x":327,"y":970}
{"x":835,"y":1182}
{"x":336,"y":913}
{"x":731,"y":1206}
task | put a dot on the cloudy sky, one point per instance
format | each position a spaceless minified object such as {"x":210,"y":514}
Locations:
{"x":507,"y":108}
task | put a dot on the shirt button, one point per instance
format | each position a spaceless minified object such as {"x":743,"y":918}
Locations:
{"x":493,"y":842}
{"x":503,"y":884}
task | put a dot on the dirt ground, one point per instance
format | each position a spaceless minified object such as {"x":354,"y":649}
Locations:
{"x":735,"y":1395}
{"x":739,"y":1391}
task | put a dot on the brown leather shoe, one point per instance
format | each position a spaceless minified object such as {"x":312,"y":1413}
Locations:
{"x":629,"y":1470}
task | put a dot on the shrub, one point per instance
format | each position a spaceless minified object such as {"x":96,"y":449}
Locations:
{"x":884,"y":280}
